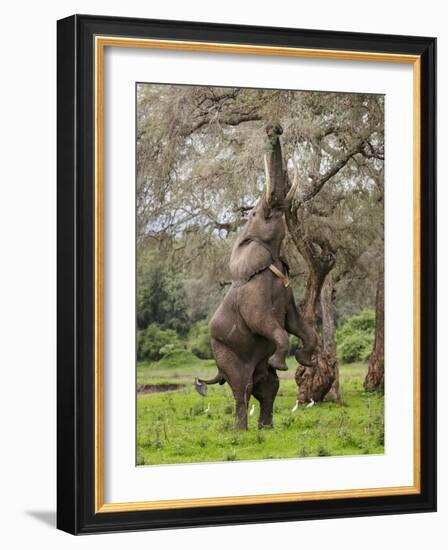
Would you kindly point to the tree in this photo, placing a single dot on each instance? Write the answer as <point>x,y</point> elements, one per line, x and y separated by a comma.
<point>162,300</point>
<point>200,170</point>
<point>329,332</point>
<point>375,375</point>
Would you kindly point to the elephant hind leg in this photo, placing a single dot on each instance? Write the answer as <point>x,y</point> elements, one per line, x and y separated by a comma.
<point>239,377</point>
<point>265,391</point>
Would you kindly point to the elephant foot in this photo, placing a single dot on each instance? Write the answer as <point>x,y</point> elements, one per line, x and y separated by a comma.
<point>276,363</point>
<point>304,358</point>
<point>262,426</point>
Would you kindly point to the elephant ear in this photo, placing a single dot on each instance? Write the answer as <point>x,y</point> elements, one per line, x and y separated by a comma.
<point>247,259</point>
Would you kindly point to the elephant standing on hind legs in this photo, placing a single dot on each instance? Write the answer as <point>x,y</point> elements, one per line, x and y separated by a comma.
<point>249,330</point>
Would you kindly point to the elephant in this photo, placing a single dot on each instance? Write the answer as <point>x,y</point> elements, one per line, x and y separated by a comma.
<point>249,330</point>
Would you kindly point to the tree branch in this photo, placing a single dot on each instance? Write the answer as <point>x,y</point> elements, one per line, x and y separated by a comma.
<point>369,151</point>
<point>229,120</point>
<point>330,173</point>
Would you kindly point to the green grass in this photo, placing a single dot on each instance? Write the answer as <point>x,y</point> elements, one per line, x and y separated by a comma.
<point>173,427</point>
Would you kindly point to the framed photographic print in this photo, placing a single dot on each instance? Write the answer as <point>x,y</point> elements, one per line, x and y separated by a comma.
<point>246,274</point>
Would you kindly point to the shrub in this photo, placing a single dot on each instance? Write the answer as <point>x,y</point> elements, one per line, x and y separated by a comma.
<point>161,298</point>
<point>153,343</point>
<point>356,347</point>
<point>178,358</point>
<point>355,338</point>
<point>199,341</point>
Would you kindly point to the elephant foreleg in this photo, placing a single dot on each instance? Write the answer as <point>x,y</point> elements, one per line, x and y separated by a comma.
<point>295,324</point>
<point>262,322</point>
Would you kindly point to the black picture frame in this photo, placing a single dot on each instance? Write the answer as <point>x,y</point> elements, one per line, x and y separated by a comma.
<point>76,271</point>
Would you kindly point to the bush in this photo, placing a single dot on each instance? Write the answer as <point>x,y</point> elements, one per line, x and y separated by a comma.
<point>161,298</point>
<point>354,340</point>
<point>178,358</point>
<point>356,347</point>
<point>199,341</point>
<point>153,343</point>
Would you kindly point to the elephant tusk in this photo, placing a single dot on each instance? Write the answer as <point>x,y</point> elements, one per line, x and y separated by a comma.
<point>295,183</point>
<point>268,180</point>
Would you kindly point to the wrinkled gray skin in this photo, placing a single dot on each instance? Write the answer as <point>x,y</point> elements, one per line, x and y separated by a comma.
<point>249,331</point>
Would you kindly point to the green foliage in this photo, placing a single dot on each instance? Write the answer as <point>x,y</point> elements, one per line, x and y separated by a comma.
<point>174,427</point>
<point>199,341</point>
<point>177,358</point>
<point>364,321</point>
<point>161,298</point>
<point>200,165</point>
<point>356,347</point>
<point>354,340</point>
<point>203,294</point>
<point>153,343</point>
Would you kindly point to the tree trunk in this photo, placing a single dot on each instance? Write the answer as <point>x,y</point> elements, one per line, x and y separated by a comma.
<point>375,375</point>
<point>314,382</point>
<point>328,332</point>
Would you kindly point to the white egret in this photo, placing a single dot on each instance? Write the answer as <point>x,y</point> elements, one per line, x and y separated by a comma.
<point>310,404</point>
<point>252,409</point>
<point>296,406</point>
<point>207,410</point>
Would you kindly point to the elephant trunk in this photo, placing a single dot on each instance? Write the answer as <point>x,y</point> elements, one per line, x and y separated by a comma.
<point>276,180</point>
<point>279,192</point>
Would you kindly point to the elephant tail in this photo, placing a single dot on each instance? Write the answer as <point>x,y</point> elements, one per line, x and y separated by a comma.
<point>201,385</point>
